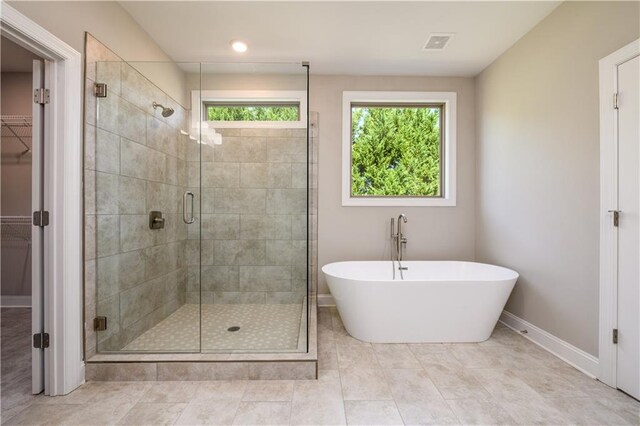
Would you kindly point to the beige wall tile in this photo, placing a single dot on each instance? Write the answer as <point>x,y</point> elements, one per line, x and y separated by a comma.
<point>220,226</point>
<point>220,175</point>
<point>241,149</point>
<point>239,252</point>
<point>107,150</point>
<point>265,278</point>
<point>135,233</point>
<point>287,150</point>
<point>286,201</point>
<point>265,227</point>
<point>239,200</point>
<point>220,278</point>
<point>107,235</point>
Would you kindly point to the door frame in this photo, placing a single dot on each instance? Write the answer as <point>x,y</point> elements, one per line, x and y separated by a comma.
<point>609,201</point>
<point>64,364</point>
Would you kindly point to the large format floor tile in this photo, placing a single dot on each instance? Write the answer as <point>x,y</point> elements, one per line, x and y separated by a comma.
<point>506,380</point>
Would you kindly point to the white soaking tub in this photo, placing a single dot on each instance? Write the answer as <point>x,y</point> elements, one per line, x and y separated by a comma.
<point>436,301</point>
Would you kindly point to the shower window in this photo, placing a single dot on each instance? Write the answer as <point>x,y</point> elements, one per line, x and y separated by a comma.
<point>251,108</point>
<point>252,111</point>
<point>398,148</point>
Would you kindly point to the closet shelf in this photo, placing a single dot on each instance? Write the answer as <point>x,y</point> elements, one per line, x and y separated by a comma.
<point>15,228</point>
<point>18,127</point>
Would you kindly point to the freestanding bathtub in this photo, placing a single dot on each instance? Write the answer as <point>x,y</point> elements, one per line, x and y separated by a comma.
<point>436,301</point>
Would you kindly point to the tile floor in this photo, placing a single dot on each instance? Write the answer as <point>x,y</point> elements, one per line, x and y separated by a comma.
<point>506,380</point>
<point>262,328</point>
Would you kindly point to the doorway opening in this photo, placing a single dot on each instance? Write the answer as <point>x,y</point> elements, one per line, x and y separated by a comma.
<point>50,217</point>
<point>22,372</point>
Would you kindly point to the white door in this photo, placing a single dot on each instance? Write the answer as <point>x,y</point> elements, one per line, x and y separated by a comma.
<point>37,232</point>
<point>628,353</point>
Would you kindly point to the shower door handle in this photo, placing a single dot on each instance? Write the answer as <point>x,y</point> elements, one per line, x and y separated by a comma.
<point>185,217</point>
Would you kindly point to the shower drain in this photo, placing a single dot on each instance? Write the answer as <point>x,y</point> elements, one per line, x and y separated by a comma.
<point>234,328</point>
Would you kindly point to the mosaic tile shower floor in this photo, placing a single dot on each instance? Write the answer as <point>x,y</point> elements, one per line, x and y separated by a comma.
<point>262,328</point>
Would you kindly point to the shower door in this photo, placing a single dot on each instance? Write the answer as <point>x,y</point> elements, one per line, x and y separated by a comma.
<point>197,207</point>
<point>254,183</point>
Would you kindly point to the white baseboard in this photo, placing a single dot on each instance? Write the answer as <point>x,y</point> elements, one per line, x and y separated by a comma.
<point>578,358</point>
<point>15,301</point>
<point>325,300</point>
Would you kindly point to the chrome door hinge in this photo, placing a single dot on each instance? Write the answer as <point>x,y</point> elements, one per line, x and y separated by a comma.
<point>41,340</point>
<point>41,96</point>
<point>100,323</point>
<point>615,336</point>
<point>615,100</point>
<point>41,218</point>
<point>100,90</point>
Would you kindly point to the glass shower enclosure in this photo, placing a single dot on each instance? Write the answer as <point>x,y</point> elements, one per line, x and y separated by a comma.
<point>198,195</point>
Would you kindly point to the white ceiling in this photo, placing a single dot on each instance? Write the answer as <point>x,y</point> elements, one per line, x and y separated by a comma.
<point>384,38</point>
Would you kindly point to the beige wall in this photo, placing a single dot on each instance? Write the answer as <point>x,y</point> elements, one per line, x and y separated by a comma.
<point>354,233</point>
<point>538,165</point>
<point>113,26</point>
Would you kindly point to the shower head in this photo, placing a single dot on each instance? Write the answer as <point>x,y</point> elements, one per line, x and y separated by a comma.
<point>166,111</point>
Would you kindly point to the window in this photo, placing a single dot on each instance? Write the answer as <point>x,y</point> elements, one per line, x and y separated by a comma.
<point>398,149</point>
<point>250,109</point>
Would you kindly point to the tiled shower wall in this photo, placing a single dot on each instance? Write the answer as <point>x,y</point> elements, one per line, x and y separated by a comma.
<point>254,218</point>
<point>254,204</point>
<point>135,162</point>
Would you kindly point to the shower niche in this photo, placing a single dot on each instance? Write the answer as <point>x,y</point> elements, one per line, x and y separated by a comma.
<point>199,211</point>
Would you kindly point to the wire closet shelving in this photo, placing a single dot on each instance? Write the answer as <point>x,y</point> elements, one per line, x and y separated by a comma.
<point>15,228</point>
<point>17,128</point>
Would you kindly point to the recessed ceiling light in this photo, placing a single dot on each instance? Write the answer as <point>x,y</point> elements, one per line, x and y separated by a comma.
<point>239,46</point>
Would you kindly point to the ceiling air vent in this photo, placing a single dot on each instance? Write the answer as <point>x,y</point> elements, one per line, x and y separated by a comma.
<point>438,41</point>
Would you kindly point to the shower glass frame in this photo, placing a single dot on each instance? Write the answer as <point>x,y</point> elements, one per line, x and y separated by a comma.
<point>128,96</point>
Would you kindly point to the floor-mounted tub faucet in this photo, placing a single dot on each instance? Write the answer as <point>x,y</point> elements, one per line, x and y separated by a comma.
<point>398,238</point>
<point>398,242</point>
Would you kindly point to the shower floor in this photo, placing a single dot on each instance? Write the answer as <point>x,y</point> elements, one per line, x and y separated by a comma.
<point>262,328</point>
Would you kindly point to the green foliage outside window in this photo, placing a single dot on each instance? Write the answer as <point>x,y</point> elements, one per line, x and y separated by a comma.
<point>252,113</point>
<point>395,151</point>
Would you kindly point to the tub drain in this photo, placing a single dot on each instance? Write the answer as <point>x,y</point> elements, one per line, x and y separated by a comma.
<point>234,328</point>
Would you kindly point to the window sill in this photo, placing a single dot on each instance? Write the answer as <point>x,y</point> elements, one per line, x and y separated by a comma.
<point>398,202</point>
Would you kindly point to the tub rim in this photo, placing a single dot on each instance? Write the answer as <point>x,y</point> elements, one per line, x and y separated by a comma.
<point>514,275</point>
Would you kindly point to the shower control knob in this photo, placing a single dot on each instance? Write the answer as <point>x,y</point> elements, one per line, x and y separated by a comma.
<point>156,221</point>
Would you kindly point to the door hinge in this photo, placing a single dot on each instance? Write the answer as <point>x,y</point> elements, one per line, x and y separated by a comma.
<point>615,336</point>
<point>100,90</point>
<point>100,323</point>
<point>616,217</point>
<point>41,218</point>
<point>41,340</point>
<point>615,100</point>
<point>41,96</point>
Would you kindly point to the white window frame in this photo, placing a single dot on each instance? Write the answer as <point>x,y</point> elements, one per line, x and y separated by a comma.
<point>200,97</point>
<point>448,99</point>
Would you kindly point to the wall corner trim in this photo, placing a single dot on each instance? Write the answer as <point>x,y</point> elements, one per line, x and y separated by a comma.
<point>575,357</point>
